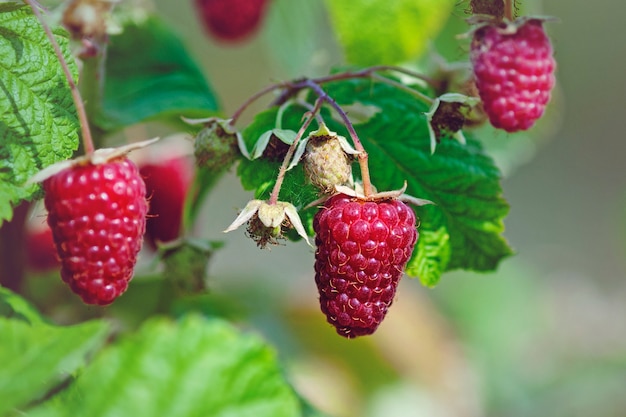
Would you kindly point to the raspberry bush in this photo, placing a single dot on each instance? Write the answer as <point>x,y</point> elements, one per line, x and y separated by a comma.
<point>377,163</point>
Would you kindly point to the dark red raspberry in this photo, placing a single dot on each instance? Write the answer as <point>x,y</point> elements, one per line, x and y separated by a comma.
<point>232,20</point>
<point>514,71</point>
<point>362,249</point>
<point>97,213</point>
<point>167,184</point>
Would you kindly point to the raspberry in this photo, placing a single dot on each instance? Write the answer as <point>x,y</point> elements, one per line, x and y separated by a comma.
<point>326,164</point>
<point>167,184</point>
<point>362,249</point>
<point>215,147</point>
<point>97,213</point>
<point>514,71</point>
<point>231,20</point>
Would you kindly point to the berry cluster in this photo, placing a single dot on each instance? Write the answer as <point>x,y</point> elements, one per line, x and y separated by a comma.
<point>98,207</point>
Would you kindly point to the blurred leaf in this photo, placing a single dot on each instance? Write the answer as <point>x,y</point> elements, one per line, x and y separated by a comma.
<point>295,44</point>
<point>38,124</point>
<point>387,31</point>
<point>149,74</point>
<point>14,306</point>
<point>194,367</point>
<point>36,356</point>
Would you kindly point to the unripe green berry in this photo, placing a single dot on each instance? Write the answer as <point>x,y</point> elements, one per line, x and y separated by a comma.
<point>326,164</point>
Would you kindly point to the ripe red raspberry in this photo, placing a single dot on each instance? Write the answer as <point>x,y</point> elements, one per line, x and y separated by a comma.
<point>97,213</point>
<point>514,71</point>
<point>362,249</point>
<point>167,184</point>
<point>231,20</point>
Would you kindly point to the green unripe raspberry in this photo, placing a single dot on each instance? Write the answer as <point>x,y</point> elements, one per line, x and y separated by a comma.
<point>216,146</point>
<point>326,163</point>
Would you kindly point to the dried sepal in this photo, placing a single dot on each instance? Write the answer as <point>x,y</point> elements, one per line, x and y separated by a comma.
<point>447,115</point>
<point>99,156</point>
<point>285,135</point>
<point>357,192</point>
<point>266,223</point>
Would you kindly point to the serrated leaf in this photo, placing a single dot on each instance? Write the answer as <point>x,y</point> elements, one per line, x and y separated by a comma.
<point>386,31</point>
<point>36,356</point>
<point>38,122</point>
<point>149,75</point>
<point>194,367</point>
<point>461,180</point>
<point>433,249</point>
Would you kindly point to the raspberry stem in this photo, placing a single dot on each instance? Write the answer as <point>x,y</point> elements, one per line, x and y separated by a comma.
<point>423,97</point>
<point>293,87</point>
<point>292,149</point>
<point>363,157</point>
<point>78,102</point>
<point>252,99</point>
<point>509,10</point>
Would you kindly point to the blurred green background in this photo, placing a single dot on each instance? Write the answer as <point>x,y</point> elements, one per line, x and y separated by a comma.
<point>546,334</point>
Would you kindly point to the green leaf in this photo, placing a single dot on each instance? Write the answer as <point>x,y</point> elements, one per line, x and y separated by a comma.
<point>14,306</point>
<point>36,357</point>
<point>38,124</point>
<point>387,31</point>
<point>431,255</point>
<point>149,75</point>
<point>194,367</point>
<point>464,228</point>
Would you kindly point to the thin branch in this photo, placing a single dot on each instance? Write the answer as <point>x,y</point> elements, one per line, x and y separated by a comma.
<point>363,157</point>
<point>252,99</point>
<point>292,149</point>
<point>509,10</point>
<point>78,102</point>
<point>422,97</point>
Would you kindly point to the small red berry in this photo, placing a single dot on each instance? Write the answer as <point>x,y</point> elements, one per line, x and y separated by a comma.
<point>232,20</point>
<point>97,213</point>
<point>514,71</point>
<point>362,249</point>
<point>167,184</point>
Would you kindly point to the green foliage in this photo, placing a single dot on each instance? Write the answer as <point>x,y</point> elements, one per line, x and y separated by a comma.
<point>149,75</point>
<point>462,230</point>
<point>193,367</point>
<point>38,124</point>
<point>462,181</point>
<point>37,356</point>
<point>386,31</point>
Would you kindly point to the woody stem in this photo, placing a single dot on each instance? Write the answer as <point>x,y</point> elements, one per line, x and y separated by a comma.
<point>362,157</point>
<point>78,102</point>
<point>509,9</point>
<point>292,149</point>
